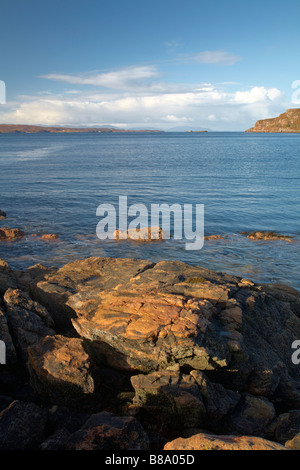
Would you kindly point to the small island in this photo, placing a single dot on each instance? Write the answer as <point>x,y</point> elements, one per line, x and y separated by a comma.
<point>288,122</point>
<point>196,131</point>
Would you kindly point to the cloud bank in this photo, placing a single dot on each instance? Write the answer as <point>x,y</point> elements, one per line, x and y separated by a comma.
<point>136,97</point>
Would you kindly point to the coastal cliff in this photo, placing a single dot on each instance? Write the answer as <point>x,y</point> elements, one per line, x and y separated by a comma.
<point>288,122</point>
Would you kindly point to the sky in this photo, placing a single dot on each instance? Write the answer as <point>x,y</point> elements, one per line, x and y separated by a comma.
<point>169,65</point>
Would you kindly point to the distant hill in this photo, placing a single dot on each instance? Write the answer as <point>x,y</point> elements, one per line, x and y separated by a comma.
<point>286,122</point>
<point>27,129</point>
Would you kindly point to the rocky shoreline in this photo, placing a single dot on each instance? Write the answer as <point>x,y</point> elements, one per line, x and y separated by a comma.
<point>126,354</point>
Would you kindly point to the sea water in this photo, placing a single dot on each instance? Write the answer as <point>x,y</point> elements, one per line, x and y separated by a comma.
<point>53,183</point>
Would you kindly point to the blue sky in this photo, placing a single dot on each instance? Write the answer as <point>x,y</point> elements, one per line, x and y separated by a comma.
<point>160,64</point>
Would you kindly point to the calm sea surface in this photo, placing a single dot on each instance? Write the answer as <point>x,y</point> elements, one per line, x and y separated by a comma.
<point>54,184</point>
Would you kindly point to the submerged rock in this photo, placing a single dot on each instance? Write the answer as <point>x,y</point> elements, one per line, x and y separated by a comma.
<point>141,234</point>
<point>215,237</point>
<point>46,236</point>
<point>264,235</point>
<point>11,233</point>
<point>2,215</point>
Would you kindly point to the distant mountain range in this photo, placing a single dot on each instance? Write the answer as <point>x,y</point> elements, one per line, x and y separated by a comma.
<point>27,129</point>
<point>288,122</point>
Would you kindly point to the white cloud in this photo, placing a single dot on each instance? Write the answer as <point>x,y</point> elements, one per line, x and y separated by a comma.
<point>212,57</point>
<point>257,94</point>
<point>118,79</point>
<point>133,98</point>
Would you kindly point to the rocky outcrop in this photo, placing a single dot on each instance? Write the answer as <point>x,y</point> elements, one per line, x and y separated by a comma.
<point>204,441</point>
<point>287,122</point>
<point>150,353</point>
<point>265,235</point>
<point>11,233</point>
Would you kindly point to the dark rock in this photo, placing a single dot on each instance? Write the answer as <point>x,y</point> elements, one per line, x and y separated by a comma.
<point>28,321</point>
<point>106,431</point>
<point>7,277</point>
<point>5,401</point>
<point>219,402</point>
<point>168,400</point>
<point>63,417</point>
<point>57,441</point>
<point>254,416</point>
<point>287,426</point>
<point>22,426</point>
<point>9,352</point>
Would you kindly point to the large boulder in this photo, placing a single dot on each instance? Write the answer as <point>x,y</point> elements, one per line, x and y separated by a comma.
<point>142,317</point>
